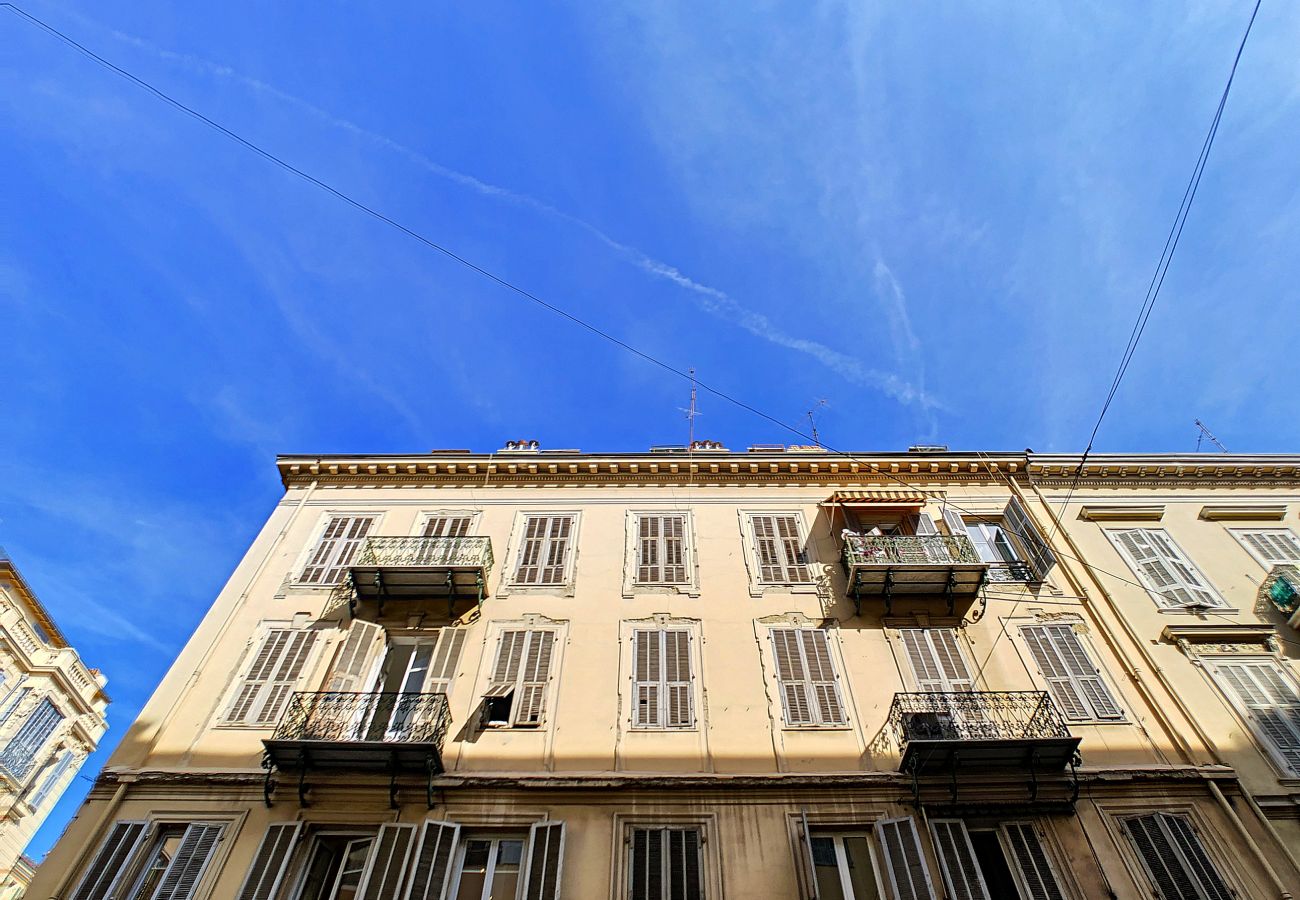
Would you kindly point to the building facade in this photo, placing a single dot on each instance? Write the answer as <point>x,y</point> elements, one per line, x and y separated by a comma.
<point>51,718</point>
<point>693,673</point>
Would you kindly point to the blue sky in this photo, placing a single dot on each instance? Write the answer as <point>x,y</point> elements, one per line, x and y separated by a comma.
<point>939,219</point>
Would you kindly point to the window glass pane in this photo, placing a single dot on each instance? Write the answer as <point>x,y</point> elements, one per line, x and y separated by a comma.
<point>993,864</point>
<point>862,876</point>
<point>158,860</point>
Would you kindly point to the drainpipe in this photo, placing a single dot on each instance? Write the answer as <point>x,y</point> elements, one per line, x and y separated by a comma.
<point>1282,892</point>
<point>90,846</point>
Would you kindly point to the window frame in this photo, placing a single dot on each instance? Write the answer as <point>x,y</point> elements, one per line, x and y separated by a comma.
<point>514,554</point>
<point>914,682</point>
<point>489,690</point>
<point>837,667</point>
<point>1147,879</point>
<point>749,540</point>
<point>131,870</point>
<point>1090,654</point>
<point>663,705</point>
<point>426,516</point>
<point>303,559</point>
<point>297,864</point>
<point>632,585</point>
<point>1154,591</point>
<point>1239,534</point>
<point>837,834</point>
<point>1285,769</point>
<point>495,836</point>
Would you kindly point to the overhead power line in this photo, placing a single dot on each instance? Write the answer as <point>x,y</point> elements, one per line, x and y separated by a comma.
<point>559,311</point>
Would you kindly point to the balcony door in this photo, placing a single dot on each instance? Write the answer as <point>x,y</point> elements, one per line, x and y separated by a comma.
<point>413,668</point>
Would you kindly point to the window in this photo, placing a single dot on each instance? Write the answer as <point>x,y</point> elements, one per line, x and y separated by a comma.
<point>1074,682</point>
<point>545,551</point>
<point>810,694</point>
<point>994,862</point>
<point>413,667</point>
<point>51,778</point>
<point>517,693</point>
<point>1174,859</point>
<point>1011,542</point>
<point>1271,546</point>
<point>778,549</point>
<point>665,864</point>
<point>937,661</point>
<point>1163,568</point>
<point>16,696</point>
<point>662,554</point>
<point>162,861</point>
<point>20,754</point>
<point>489,868</point>
<point>1264,693</point>
<point>272,675</point>
<point>662,686</point>
<point>843,866</point>
<point>337,547</point>
<point>448,526</point>
<point>993,545</point>
<point>335,867</point>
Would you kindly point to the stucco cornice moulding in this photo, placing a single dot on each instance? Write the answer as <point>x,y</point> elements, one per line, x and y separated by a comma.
<point>1244,513</point>
<point>1122,513</point>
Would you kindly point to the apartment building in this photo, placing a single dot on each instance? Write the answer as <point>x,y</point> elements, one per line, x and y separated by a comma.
<point>51,718</point>
<point>696,673</point>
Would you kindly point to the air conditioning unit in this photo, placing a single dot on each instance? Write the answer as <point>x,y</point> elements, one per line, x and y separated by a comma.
<point>928,726</point>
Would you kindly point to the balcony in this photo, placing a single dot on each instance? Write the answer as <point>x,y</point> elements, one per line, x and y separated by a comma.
<point>422,568</point>
<point>929,564</point>
<point>387,733</point>
<point>1281,590</point>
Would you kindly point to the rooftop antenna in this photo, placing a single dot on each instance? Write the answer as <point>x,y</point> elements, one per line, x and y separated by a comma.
<point>812,422</point>
<point>692,412</point>
<point>1206,433</point>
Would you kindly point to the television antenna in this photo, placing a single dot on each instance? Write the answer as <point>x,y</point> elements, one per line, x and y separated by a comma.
<point>692,412</point>
<point>1207,434</point>
<point>812,421</point>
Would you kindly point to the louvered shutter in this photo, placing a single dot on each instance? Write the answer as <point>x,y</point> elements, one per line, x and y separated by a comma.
<point>957,859</point>
<point>1040,556</point>
<point>674,550</point>
<point>1267,700</point>
<point>956,524</point>
<point>433,857</point>
<point>529,570</point>
<point>1073,681</point>
<point>505,672</point>
<point>792,675</point>
<point>1193,855</point>
<point>271,677</point>
<point>821,676</point>
<point>336,549</point>
<point>1174,859</point>
<point>534,675</point>
<point>937,660</point>
<point>765,548</point>
<point>923,525</point>
<point>1272,546</point>
<point>110,862</point>
<point>52,780</point>
<point>363,645</point>
<point>678,689</point>
<point>904,862</point>
<point>1030,862</point>
<point>270,861</point>
<point>446,657</point>
<point>647,668</point>
<point>796,562</point>
<point>386,867</point>
<point>448,526</point>
<point>1158,561</point>
<point>544,551</point>
<point>545,861</point>
<point>557,551</point>
<point>661,549</point>
<point>195,851</point>
<point>664,864</point>
<point>809,859</point>
<point>649,561</point>
<point>684,875</point>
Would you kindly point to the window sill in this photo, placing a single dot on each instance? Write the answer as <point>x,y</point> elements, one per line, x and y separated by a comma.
<point>845,727</point>
<point>684,590</point>
<point>641,729</point>
<point>1206,611</point>
<point>1090,722</point>
<point>554,590</point>
<point>798,587</point>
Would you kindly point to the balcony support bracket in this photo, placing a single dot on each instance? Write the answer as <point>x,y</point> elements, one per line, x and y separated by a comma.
<point>952,785</point>
<point>1033,776</point>
<point>481,585</point>
<point>947,591</point>
<point>392,782</point>
<point>268,785</point>
<point>889,591</point>
<point>304,763</point>
<point>1075,761</point>
<point>428,783</point>
<point>451,594</point>
<point>916,783</point>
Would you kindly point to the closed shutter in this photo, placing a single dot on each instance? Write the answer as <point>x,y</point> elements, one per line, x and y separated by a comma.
<point>270,862</point>
<point>271,677</point>
<point>1174,859</point>
<point>1040,557</point>
<point>432,866</point>
<point>679,692</point>
<point>1271,546</point>
<point>20,754</point>
<point>1030,862</point>
<point>937,661</point>
<point>792,676</point>
<point>446,657</point>
<point>362,646</point>
<point>545,861</point>
<point>781,559</point>
<point>1158,562</point>
<point>661,549</point>
<point>118,848</point>
<point>534,676</point>
<point>386,868</point>
<point>195,851</point>
<point>448,526</point>
<point>957,858</point>
<point>909,878</point>
<point>664,864</point>
<point>815,644</point>
<point>647,668</point>
<point>1073,681</point>
<point>336,549</point>
<point>544,551</point>
<point>1267,698</point>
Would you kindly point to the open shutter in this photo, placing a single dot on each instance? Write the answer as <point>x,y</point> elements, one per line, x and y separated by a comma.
<point>1272,546</point>
<point>446,657</point>
<point>957,859</point>
<point>270,862</point>
<point>362,646</point>
<point>195,851</point>
<point>116,850</point>
<point>433,859</point>
<point>1040,556</point>
<point>1268,702</point>
<point>535,674</point>
<point>53,779</point>
<point>1159,562</point>
<point>386,867</point>
<point>821,676</point>
<point>956,524</point>
<point>792,676</point>
<point>647,667</point>
<point>679,701</point>
<point>1072,679</point>
<point>805,838</point>
<point>505,672</point>
<point>904,862</point>
<point>545,861</point>
<point>1029,861</point>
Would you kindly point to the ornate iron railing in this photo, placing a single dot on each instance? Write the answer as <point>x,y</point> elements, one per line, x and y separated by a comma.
<point>918,549</point>
<point>471,552</point>
<point>345,717</point>
<point>975,716</point>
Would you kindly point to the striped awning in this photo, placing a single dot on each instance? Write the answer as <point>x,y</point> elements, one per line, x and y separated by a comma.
<point>877,497</point>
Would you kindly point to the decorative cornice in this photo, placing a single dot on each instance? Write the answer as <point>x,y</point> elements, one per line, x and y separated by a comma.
<point>1198,640</point>
<point>1243,512</point>
<point>1121,513</point>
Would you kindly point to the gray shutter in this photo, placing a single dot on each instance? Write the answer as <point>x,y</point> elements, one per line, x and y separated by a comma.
<point>904,862</point>
<point>1041,559</point>
<point>796,561</point>
<point>1268,702</point>
<point>1195,858</point>
<point>937,660</point>
<point>433,859</point>
<point>1174,858</point>
<point>674,550</point>
<point>338,545</point>
<point>678,685</point>
<point>116,850</point>
<point>386,867</point>
<point>1072,679</point>
<point>447,526</point>
<point>821,676</point>
<point>956,524</point>
<point>769,560</point>
<point>446,657</point>
<point>364,642</point>
<point>195,851</point>
<point>528,570</point>
<point>805,837</point>
<point>545,861</point>
<point>1030,862</point>
<point>685,879</point>
<point>647,677</point>
<point>649,559</point>
<point>557,550</point>
<point>792,676</point>
<point>270,861</point>
<point>957,859</point>
<point>534,676</point>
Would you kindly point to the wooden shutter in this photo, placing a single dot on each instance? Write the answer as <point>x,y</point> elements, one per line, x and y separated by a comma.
<point>557,550</point>
<point>679,693</point>
<point>528,571</point>
<point>664,864</point>
<point>544,551</point>
<point>649,555</point>
<point>1029,861</point>
<point>957,859</point>
<point>1269,702</point>
<point>433,857</point>
<point>52,779</point>
<point>270,861</point>
<point>386,867</point>
<point>821,676</point>
<point>1174,859</point>
<point>1073,681</point>
<point>1271,546</point>
<point>534,675</point>
<point>363,645</point>
<point>447,526</point>
<point>809,690</point>
<point>338,545</point>
<point>545,861</point>
<point>446,657</point>
<point>956,524</point>
<point>904,862</point>
<point>1040,556</point>
<point>647,674</point>
<point>796,563</point>
<point>937,661</point>
<point>1158,562</point>
<point>809,860</point>
<point>195,851</point>
<point>684,875</point>
<point>765,548</point>
<point>117,849</point>
<point>792,675</point>
<point>661,549</point>
<point>272,675</point>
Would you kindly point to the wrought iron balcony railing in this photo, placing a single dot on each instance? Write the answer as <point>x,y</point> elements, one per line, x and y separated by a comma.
<point>975,716</point>
<point>901,550</point>
<point>426,552</point>
<point>344,717</point>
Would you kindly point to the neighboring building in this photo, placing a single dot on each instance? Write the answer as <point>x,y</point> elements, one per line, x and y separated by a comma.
<point>692,673</point>
<point>51,718</point>
<point>14,885</point>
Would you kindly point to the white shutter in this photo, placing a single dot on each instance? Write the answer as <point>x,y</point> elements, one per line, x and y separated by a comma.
<point>909,879</point>
<point>335,550</point>
<point>195,851</point>
<point>432,866</point>
<point>52,780</point>
<point>386,868</point>
<point>806,675</point>
<point>1074,682</point>
<point>1030,862</point>
<point>957,859</point>
<point>956,524</point>
<point>777,547</point>
<point>805,837</point>
<point>661,549</point>
<point>363,645</point>
<point>923,525</point>
<point>534,676</point>
<point>1174,859</point>
<point>1271,546</point>
<point>271,677</point>
<point>937,661</point>
<point>647,677</point>
<point>541,878</point>
<point>821,676</point>
<point>1162,567</point>
<point>270,861</point>
<point>1040,556</point>
<point>446,657</point>
<point>1266,697</point>
<point>111,859</point>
